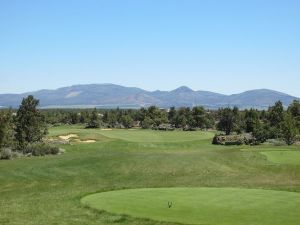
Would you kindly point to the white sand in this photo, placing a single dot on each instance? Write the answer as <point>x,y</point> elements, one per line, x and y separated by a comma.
<point>68,137</point>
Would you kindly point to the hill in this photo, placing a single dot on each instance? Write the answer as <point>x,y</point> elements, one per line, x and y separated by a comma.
<point>111,95</point>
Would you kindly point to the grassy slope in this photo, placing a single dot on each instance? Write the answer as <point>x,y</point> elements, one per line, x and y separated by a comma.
<point>283,157</point>
<point>48,190</point>
<point>220,206</point>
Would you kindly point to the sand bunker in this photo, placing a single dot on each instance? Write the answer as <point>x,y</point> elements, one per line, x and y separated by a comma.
<point>74,137</point>
<point>88,141</point>
<point>106,129</point>
<point>68,137</point>
<point>85,141</point>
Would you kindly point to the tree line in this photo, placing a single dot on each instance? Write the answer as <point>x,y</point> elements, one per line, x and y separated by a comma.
<point>147,118</point>
<point>274,123</point>
<point>22,129</point>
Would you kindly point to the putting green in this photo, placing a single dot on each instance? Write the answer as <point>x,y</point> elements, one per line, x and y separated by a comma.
<point>283,157</point>
<point>214,206</point>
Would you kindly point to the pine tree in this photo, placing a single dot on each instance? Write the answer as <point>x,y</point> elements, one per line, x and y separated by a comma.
<point>6,129</point>
<point>30,123</point>
<point>229,120</point>
<point>127,121</point>
<point>94,120</point>
<point>294,109</point>
<point>275,118</point>
<point>251,120</point>
<point>289,129</point>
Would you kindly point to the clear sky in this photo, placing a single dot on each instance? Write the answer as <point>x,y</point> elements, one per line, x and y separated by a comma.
<point>224,46</point>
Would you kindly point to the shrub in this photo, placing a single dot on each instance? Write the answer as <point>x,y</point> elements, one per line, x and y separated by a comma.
<point>163,127</point>
<point>41,149</point>
<point>5,153</point>
<point>233,139</point>
<point>215,140</point>
<point>276,142</point>
<point>188,128</point>
<point>237,142</point>
<point>261,134</point>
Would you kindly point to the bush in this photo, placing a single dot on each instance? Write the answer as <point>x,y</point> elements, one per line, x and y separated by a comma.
<point>233,139</point>
<point>5,153</point>
<point>276,142</point>
<point>227,140</point>
<point>163,127</point>
<point>238,142</point>
<point>260,134</point>
<point>40,149</point>
<point>190,128</point>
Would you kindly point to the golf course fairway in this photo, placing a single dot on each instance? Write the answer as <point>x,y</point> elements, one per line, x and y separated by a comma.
<point>283,157</point>
<point>212,206</point>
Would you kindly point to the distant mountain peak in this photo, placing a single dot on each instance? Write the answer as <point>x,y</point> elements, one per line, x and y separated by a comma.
<point>111,95</point>
<point>265,90</point>
<point>183,89</point>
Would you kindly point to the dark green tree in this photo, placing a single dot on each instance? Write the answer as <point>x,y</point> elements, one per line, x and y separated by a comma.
<point>6,129</point>
<point>294,110</point>
<point>30,123</point>
<point>260,133</point>
<point>289,129</point>
<point>147,123</point>
<point>94,120</point>
<point>127,121</point>
<point>183,117</point>
<point>228,120</point>
<point>251,120</point>
<point>209,120</point>
<point>159,116</point>
<point>190,122</point>
<point>74,117</point>
<point>141,114</point>
<point>200,118</point>
<point>83,117</point>
<point>183,121</point>
<point>275,118</point>
<point>172,115</point>
<point>176,122</point>
<point>110,118</point>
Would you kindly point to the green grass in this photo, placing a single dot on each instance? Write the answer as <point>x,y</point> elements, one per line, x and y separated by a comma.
<point>283,157</point>
<point>220,206</point>
<point>137,135</point>
<point>47,190</point>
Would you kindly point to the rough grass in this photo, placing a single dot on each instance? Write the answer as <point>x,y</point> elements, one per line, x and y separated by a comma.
<point>47,190</point>
<point>283,157</point>
<point>220,206</point>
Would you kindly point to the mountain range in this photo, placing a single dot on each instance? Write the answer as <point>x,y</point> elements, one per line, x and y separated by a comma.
<point>111,96</point>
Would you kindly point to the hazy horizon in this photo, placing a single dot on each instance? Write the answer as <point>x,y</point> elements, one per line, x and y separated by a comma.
<point>221,46</point>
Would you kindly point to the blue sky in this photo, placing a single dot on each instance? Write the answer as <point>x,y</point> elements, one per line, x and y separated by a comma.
<point>222,46</point>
